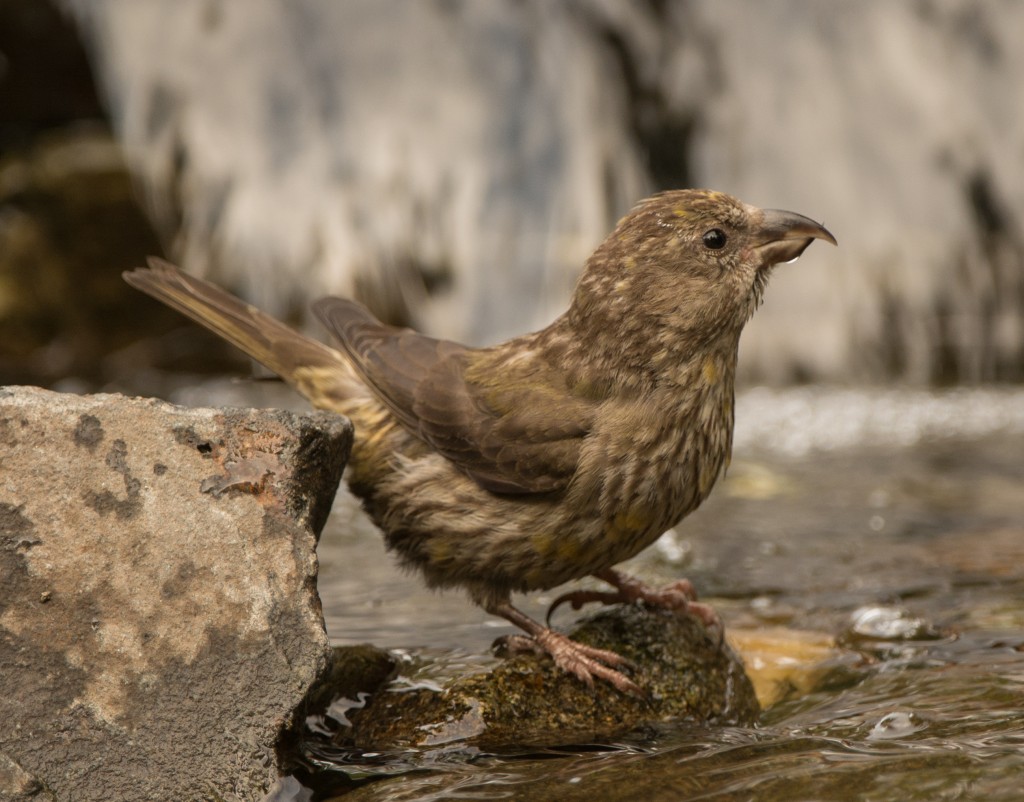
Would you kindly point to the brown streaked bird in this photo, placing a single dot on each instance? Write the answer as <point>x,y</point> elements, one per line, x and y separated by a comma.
<point>557,454</point>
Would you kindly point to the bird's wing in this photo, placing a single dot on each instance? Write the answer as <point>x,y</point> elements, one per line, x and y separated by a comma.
<point>515,431</point>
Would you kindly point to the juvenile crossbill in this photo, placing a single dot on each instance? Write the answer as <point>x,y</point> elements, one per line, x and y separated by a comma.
<point>557,454</point>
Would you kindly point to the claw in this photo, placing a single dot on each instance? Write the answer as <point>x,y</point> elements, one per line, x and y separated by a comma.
<point>582,661</point>
<point>578,598</point>
<point>680,597</point>
<point>587,662</point>
<point>509,645</point>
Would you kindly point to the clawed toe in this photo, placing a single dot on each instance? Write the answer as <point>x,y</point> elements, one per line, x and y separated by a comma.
<point>680,597</point>
<point>684,587</point>
<point>509,645</point>
<point>706,613</point>
<point>587,662</point>
<point>577,598</point>
<point>582,661</point>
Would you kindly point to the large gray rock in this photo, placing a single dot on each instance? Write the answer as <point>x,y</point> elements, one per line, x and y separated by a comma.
<point>159,620</point>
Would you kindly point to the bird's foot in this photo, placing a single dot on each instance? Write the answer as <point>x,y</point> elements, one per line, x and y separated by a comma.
<point>680,597</point>
<point>582,661</point>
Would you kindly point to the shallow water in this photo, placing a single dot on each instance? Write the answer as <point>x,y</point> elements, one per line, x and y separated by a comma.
<point>897,527</point>
<point>892,522</point>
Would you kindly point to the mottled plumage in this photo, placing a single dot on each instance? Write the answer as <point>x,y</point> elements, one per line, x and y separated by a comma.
<point>556,454</point>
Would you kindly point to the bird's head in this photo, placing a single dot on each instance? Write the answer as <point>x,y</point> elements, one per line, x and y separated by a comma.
<point>693,261</point>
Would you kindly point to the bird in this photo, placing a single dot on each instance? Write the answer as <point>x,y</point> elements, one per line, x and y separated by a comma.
<point>557,454</point>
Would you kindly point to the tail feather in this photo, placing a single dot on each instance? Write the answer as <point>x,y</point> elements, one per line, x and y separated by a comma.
<point>291,355</point>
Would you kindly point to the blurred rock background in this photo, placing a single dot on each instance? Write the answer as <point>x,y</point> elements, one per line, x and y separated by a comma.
<point>453,163</point>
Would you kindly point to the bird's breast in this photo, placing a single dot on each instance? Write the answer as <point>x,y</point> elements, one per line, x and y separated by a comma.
<point>655,462</point>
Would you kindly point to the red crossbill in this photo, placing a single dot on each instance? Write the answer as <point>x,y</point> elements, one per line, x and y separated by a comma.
<point>557,454</point>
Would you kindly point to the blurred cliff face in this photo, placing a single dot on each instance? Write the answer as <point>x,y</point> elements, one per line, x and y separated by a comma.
<point>453,163</point>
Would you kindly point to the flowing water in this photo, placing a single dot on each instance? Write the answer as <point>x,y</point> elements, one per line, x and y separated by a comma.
<point>867,548</point>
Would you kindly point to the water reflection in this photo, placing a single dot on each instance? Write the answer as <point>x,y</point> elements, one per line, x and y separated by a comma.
<point>948,728</point>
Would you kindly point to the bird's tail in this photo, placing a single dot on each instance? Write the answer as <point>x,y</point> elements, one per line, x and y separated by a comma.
<point>319,372</point>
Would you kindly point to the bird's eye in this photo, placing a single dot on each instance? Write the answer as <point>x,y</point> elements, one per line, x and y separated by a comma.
<point>714,239</point>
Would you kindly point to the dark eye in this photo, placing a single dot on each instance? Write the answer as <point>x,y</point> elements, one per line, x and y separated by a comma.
<point>714,239</point>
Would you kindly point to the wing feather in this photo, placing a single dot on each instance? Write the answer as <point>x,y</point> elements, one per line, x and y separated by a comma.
<point>511,425</point>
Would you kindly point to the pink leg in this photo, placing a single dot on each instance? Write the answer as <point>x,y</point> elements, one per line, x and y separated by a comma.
<point>679,597</point>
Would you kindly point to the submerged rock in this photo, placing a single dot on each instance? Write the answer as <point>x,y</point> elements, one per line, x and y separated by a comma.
<point>159,620</point>
<point>526,700</point>
<point>785,663</point>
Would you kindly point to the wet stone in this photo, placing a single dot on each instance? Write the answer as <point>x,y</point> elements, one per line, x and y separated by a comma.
<point>686,672</point>
<point>355,671</point>
<point>785,663</point>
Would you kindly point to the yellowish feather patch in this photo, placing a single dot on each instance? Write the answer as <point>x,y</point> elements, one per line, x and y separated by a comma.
<point>707,479</point>
<point>543,543</point>
<point>568,549</point>
<point>440,550</point>
<point>632,520</point>
<point>710,370</point>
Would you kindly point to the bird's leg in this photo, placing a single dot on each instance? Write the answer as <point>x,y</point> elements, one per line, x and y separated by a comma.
<point>585,662</point>
<point>679,597</point>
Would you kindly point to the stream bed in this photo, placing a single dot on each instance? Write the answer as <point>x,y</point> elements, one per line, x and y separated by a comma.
<point>866,549</point>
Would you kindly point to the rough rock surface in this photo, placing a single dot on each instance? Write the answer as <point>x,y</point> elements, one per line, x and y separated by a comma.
<point>526,700</point>
<point>159,620</point>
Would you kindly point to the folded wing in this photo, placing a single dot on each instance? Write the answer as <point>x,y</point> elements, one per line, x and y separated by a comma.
<point>511,425</point>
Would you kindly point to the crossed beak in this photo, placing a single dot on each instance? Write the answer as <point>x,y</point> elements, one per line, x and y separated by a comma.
<point>783,236</point>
